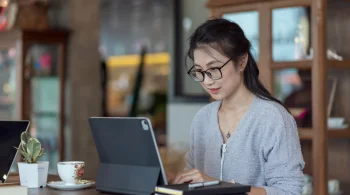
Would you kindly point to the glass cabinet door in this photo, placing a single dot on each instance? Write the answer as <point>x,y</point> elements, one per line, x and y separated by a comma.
<point>10,86</point>
<point>249,22</point>
<point>293,88</point>
<point>9,107</point>
<point>44,99</point>
<point>291,34</point>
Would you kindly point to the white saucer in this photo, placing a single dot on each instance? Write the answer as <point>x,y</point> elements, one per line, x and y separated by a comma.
<point>343,126</point>
<point>62,186</point>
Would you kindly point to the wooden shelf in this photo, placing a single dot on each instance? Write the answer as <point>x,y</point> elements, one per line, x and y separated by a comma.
<point>305,133</point>
<point>307,64</point>
<point>336,64</point>
<point>304,64</point>
<point>339,133</point>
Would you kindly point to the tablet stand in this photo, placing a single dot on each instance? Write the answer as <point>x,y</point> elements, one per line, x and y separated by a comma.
<point>127,179</point>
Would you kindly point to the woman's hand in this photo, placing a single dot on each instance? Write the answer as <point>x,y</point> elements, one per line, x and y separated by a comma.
<point>170,177</point>
<point>191,176</point>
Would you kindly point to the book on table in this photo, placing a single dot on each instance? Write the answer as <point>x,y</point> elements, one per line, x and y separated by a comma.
<point>220,189</point>
<point>13,189</point>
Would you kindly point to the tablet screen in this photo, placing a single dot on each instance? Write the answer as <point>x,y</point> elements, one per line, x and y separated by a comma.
<point>10,137</point>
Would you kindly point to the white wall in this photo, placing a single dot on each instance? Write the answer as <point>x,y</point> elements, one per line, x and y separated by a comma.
<point>179,119</point>
<point>180,114</point>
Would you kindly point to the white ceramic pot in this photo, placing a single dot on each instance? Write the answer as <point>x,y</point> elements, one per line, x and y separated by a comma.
<point>33,175</point>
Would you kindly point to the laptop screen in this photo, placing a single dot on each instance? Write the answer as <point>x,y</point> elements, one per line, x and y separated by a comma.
<point>10,137</point>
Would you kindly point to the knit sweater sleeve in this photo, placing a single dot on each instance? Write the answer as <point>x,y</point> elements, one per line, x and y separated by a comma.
<point>283,159</point>
<point>189,158</point>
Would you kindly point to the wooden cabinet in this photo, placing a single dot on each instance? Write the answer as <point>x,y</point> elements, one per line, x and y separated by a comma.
<point>33,85</point>
<point>301,50</point>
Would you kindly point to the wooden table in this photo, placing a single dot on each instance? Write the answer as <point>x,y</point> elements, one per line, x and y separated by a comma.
<point>50,191</point>
<point>14,178</point>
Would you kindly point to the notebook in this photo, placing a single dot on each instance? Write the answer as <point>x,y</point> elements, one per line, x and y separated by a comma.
<point>222,188</point>
<point>13,189</point>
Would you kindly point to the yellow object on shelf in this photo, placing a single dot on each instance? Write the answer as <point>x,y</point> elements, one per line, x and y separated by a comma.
<point>134,60</point>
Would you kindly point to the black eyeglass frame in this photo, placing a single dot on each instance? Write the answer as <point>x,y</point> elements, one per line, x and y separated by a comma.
<point>208,74</point>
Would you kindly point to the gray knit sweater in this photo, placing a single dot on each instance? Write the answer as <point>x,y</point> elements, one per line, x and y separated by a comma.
<point>264,151</point>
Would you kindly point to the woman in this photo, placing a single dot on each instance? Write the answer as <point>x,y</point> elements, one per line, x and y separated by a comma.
<point>246,135</point>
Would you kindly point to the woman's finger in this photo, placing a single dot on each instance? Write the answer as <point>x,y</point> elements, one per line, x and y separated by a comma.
<point>189,178</point>
<point>184,174</point>
<point>190,172</point>
<point>198,178</point>
<point>177,178</point>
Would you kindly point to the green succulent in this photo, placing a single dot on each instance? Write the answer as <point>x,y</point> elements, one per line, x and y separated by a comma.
<point>30,148</point>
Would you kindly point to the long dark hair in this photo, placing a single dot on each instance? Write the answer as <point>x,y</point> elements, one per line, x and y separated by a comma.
<point>228,38</point>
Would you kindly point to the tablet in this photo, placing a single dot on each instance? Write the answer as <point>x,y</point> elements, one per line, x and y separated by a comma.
<point>129,158</point>
<point>10,137</point>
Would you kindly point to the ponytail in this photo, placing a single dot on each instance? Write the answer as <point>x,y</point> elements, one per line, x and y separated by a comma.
<point>253,84</point>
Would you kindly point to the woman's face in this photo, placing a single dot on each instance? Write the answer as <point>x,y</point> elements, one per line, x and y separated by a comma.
<point>231,80</point>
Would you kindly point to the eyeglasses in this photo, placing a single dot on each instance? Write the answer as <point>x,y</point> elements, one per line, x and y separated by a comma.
<point>213,73</point>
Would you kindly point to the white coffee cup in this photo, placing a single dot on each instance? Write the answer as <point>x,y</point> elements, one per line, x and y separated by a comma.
<point>71,172</point>
<point>333,186</point>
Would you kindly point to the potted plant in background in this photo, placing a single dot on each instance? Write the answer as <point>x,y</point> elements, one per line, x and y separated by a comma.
<point>32,173</point>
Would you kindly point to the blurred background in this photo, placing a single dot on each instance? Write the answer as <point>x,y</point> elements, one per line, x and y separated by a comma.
<point>62,62</point>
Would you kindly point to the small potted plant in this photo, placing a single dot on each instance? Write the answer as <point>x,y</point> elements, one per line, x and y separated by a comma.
<point>32,173</point>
